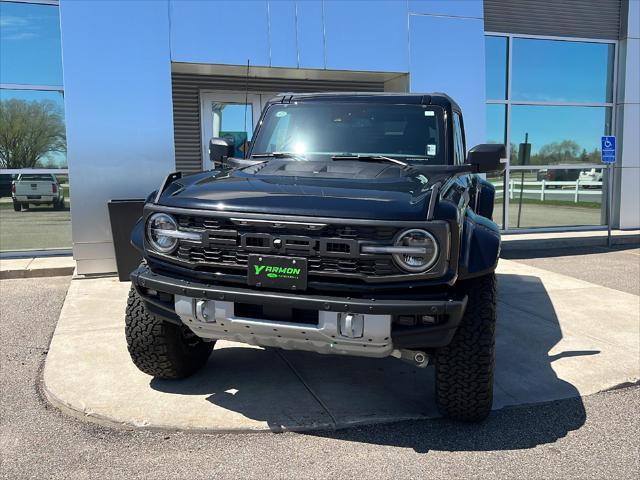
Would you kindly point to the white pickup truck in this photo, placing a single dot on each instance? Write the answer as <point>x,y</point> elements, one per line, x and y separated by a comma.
<point>36,189</point>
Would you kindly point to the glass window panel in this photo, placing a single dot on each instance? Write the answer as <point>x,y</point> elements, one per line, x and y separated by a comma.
<point>37,215</point>
<point>557,197</point>
<point>559,135</point>
<point>561,71</point>
<point>32,114</point>
<point>229,121</point>
<point>30,44</point>
<point>496,67</point>
<point>496,123</point>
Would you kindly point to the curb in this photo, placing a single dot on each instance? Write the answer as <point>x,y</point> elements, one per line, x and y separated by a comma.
<point>511,243</point>
<point>36,272</point>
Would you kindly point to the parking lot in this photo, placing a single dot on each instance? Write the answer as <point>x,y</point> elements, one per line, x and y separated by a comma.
<point>38,228</point>
<point>587,437</point>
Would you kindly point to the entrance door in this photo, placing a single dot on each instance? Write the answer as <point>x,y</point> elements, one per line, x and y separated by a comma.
<point>225,114</point>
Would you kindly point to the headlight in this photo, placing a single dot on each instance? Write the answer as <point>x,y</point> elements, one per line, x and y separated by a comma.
<point>161,232</point>
<point>416,250</point>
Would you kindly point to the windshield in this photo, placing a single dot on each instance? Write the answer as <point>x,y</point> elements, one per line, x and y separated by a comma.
<point>318,129</point>
<point>36,177</point>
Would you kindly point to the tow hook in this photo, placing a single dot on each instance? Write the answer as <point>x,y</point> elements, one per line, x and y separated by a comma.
<point>414,357</point>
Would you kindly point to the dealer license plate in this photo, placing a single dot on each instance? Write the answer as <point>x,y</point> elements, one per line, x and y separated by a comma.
<point>286,273</point>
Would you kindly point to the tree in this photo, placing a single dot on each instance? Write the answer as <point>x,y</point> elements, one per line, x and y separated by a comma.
<point>29,131</point>
<point>566,151</point>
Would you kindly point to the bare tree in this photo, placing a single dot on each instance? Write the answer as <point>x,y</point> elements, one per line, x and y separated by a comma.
<point>29,131</point>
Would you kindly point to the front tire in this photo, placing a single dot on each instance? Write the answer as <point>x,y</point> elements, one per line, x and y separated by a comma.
<point>162,349</point>
<point>465,367</point>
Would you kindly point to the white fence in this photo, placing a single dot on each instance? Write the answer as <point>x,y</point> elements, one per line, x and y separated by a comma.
<point>546,188</point>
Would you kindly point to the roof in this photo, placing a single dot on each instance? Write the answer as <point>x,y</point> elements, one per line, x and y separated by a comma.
<point>435,98</point>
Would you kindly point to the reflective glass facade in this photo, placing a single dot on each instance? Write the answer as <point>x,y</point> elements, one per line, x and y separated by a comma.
<point>555,95</point>
<point>30,44</point>
<point>32,130</point>
<point>550,101</point>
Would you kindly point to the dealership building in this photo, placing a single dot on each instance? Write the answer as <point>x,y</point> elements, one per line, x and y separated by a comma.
<point>143,86</point>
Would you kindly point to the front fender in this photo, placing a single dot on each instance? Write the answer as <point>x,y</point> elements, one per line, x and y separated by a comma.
<point>480,246</point>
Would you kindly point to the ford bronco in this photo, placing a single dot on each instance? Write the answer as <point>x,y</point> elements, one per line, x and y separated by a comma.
<point>356,224</point>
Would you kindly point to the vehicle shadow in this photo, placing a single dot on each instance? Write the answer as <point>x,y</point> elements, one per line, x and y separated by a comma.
<point>265,385</point>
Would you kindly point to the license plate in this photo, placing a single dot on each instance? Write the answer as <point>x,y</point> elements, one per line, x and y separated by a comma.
<point>285,273</point>
<point>34,197</point>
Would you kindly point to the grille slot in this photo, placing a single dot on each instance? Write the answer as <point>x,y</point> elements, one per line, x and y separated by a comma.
<point>332,250</point>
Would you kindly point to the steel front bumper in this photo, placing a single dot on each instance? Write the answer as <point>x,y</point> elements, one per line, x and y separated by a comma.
<point>351,326</point>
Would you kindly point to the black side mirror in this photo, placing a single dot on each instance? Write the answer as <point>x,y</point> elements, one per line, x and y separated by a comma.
<point>219,149</point>
<point>488,158</point>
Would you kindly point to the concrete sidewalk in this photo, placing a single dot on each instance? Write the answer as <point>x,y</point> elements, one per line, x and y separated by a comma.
<point>28,267</point>
<point>558,337</point>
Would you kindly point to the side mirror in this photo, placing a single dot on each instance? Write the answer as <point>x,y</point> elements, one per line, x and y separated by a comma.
<point>219,149</point>
<point>488,158</point>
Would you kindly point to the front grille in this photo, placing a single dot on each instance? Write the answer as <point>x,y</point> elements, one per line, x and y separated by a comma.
<point>329,250</point>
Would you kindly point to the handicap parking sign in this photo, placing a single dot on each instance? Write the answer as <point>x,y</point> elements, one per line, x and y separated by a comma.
<point>608,149</point>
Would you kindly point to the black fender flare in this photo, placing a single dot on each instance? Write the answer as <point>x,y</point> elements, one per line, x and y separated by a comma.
<point>479,247</point>
<point>137,235</point>
<point>485,199</point>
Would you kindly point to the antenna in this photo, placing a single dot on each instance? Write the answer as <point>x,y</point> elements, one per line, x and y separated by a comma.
<point>246,103</point>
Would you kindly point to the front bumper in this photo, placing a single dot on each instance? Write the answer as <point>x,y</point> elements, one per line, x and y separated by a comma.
<point>185,301</point>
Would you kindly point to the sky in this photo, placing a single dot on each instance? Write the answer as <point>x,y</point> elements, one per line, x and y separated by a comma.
<point>30,49</point>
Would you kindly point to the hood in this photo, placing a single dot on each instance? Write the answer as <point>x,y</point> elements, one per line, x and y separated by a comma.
<point>346,189</point>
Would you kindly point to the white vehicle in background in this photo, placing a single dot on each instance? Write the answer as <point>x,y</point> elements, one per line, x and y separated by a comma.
<point>591,175</point>
<point>36,189</point>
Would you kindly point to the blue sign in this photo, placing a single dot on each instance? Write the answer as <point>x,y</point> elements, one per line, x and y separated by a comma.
<point>609,149</point>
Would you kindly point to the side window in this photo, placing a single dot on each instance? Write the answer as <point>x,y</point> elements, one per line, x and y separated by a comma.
<point>458,143</point>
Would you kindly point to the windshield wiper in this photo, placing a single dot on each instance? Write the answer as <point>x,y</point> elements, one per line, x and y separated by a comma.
<point>278,155</point>
<point>374,158</point>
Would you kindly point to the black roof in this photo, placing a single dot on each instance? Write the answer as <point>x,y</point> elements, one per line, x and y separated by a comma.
<point>435,98</point>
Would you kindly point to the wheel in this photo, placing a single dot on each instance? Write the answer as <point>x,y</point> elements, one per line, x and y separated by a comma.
<point>58,204</point>
<point>17,206</point>
<point>25,206</point>
<point>162,349</point>
<point>464,368</point>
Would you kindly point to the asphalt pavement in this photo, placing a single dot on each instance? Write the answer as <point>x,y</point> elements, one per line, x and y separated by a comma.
<point>592,437</point>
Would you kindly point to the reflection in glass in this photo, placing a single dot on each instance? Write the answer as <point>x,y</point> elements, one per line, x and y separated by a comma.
<point>229,122</point>
<point>496,123</point>
<point>561,71</point>
<point>30,44</point>
<point>556,197</point>
<point>32,129</point>
<point>31,226</point>
<point>496,67</point>
<point>559,135</point>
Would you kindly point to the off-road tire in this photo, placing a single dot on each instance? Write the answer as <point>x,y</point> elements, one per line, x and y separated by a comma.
<point>159,348</point>
<point>17,206</point>
<point>464,368</point>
